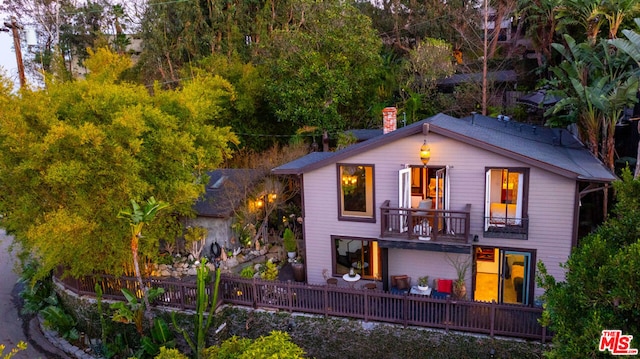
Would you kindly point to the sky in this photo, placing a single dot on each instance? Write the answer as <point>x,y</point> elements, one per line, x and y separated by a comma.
<point>7,56</point>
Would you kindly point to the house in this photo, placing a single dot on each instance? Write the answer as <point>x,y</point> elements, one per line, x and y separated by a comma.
<point>226,191</point>
<point>496,194</point>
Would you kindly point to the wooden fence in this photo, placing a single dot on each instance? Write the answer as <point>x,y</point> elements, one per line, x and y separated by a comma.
<point>369,305</point>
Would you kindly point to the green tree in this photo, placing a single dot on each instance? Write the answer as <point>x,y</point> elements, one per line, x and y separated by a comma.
<point>631,46</point>
<point>74,154</point>
<point>595,85</point>
<point>322,69</point>
<point>602,283</point>
<point>428,62</point>
<point>539,20</point>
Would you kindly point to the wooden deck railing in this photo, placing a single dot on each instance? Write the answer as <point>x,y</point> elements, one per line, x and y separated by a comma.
<point>467,316</point>
<point>418,223</point>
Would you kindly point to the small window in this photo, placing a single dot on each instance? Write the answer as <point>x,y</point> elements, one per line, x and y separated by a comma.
<point>362,255</point>
<point>506,202</point>
<point>355,195</point>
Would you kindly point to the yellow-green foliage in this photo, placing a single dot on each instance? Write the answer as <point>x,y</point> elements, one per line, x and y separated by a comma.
<point>72,156</point>
<point>166,353</point>
<point>270,272</point>
<point>194,234</point>
<point>275,345</point>
<point>21,346</point>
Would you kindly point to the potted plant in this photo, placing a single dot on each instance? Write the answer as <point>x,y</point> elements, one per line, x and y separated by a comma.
<point>423,283</point>
<point>290,245</point>
<point>459,285</point>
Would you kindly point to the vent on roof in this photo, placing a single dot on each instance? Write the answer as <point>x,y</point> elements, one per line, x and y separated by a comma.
<point>219,182</point>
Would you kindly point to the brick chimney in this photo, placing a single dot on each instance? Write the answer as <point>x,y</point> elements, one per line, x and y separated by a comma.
<point>389,119</point>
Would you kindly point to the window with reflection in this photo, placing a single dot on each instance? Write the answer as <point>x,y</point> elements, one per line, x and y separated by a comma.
<point>356,192</point>
<point>506,200</point>
<point>363,255</point>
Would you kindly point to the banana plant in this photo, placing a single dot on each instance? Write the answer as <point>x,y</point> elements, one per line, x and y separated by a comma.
<point>161,336</point>
<point>133,310</point>
<point>137,218</point>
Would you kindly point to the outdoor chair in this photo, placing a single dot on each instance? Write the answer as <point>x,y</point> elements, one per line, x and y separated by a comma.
<point>442,288</point>
<point>370,286</point>
<point>400,284</point>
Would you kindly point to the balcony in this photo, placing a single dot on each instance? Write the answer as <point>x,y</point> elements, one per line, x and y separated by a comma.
<point>427,226</point>
<point>506,227</point>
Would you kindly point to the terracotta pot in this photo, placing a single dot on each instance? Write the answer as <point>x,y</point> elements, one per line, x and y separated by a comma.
<point>459,290</point>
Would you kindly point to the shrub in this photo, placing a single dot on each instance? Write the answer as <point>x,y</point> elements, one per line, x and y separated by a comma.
<point>275,345</point>
<point>170,354</point>
<point>247,272</point>
<point>56,319</point>
<point>20,346</point>
<point>270,272</point>
<point>289,240</point>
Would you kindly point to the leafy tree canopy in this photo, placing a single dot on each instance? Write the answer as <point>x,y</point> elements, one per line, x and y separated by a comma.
<point>73,155</point>
<point>322,65</point>
<point>602,283</point>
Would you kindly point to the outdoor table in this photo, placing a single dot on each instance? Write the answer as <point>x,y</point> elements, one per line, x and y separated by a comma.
<point>416,290</point>
<point>351,280</point>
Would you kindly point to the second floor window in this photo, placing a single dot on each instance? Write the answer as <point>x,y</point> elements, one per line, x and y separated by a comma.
<point>506,200</point>
<point>356,192</point>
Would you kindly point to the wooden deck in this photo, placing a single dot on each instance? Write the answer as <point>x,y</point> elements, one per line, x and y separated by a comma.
<point>368,305</point>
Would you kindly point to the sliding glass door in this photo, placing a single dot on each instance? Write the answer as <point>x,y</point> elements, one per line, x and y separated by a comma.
<point>514,288</point>
<point>503,275</point>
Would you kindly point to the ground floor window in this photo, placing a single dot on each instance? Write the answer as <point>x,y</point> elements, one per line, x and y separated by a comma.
<point>362,254</point>
<point>503,275</point>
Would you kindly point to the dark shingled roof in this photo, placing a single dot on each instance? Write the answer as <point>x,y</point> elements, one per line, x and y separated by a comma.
<point>365,134</point>
<point>555,150</point>
<point>496,76</point>
<point>221,194</point>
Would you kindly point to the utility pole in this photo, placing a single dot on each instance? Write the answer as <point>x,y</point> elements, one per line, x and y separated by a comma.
<point>13,25</point>
<point>484,58</point>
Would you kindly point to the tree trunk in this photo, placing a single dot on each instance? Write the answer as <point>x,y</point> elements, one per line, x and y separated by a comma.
<point>136,268</point>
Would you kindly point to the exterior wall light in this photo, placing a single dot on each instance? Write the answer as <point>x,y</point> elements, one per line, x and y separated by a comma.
<point>425,153</point>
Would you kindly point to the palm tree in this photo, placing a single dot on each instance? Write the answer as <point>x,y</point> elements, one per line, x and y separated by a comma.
<point>137,218</point>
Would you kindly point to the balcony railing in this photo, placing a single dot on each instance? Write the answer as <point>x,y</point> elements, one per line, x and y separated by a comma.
<point>425,224</point>
<point>501,227</point>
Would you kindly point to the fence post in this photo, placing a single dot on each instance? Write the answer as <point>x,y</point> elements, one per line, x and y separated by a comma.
<point>326,300</point>
<point>492,317</point>
<point>289,297</point>
<point>447,316</point>
<point>255,293</point>
<point>366,306</point>
<point>183,294</point>
<point>405,310</point>
<point>77,280</point>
